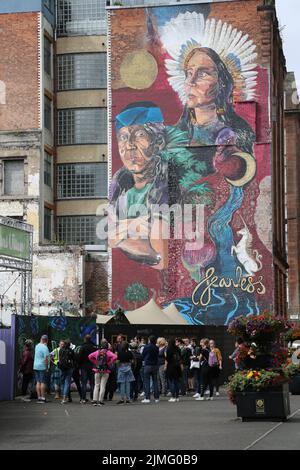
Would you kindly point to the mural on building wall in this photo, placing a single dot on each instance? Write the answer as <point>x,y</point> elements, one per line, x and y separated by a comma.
<point>57,328</point>
<point>190,128</point>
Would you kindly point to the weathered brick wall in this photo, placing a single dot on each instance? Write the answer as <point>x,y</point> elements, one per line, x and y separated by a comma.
<point>19,71</point>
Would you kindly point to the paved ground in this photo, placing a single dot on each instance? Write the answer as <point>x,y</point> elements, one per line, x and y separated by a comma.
<point>187,425</point>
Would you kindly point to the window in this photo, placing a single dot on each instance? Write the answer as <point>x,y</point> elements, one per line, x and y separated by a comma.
<point>79,230</point>
<point>81,71</point>
<point>13,177</point>
<point>47,56</point>
<point>82,180</point>
<point>47,169</point>
<point>2,92</point>
<point>81,17</point>
<point>48,113</point>
<point>47,223</point>
<point>82,126</point>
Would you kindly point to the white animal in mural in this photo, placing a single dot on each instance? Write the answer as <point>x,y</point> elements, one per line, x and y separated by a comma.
<point>245,254</point>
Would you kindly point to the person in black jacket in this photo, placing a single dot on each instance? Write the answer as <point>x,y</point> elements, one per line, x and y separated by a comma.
<point>150,359</point>
<point>185,361</point>
<point>66,365</point>
<point>173,369</point>
<point>204,368</point>
<point>86,367</point>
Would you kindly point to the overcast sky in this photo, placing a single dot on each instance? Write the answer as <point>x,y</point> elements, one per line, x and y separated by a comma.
<point>288,12</point>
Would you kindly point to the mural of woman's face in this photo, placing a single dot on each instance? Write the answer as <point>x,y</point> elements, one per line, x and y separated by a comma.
<point>201,83</point>
<point>134,147</point>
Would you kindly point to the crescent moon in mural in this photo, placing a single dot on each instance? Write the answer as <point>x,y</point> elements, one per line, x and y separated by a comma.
<point>250,170</point>
<point>138,70</point>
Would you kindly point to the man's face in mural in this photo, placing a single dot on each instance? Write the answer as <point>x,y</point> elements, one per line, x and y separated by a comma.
<point>201,83</point>
<point>135,147</point>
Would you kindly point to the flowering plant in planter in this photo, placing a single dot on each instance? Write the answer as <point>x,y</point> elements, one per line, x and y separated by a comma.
<point>261,328</point>
<point>291,369</point>
<point>293,334</point>
<point>258,380</point>
<point>263,360</point>
<point>238,326</point>
<point>253,380</point>
<point>278,356</point>
<point>265,328</point>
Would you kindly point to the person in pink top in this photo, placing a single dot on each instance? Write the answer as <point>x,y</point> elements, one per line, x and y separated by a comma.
<point>103,360</point>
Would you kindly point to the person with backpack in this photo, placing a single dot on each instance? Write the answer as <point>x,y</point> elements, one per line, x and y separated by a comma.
<point>173,367</point>
<point>66,365</point>
<point>136,369</point>
<point>76,375</point>
<point>103,360</point>
<point>86,367</point>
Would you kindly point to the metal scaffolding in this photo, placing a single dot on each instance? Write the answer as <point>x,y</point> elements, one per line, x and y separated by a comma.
<point>18,263</point>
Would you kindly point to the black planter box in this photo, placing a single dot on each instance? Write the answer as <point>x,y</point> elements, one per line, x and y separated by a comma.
<point>265,405</point>
<point>295,385</point>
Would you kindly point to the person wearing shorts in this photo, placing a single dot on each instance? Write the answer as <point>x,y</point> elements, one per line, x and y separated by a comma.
<point>40,367</point>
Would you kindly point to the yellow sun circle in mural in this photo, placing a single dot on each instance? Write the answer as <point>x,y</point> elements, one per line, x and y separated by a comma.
<point>138,70</point>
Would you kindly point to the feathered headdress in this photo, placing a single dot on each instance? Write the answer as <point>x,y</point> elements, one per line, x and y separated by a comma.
<point>190,31</point>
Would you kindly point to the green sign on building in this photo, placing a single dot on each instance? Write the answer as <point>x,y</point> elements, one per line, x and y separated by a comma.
<point>14,242</point>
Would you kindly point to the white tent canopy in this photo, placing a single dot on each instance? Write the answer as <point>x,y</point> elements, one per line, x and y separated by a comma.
<point>151,314</point>
<point>103,319</point>
<point>172,313</point>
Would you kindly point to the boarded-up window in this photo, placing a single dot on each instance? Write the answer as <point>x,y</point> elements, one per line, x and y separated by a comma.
<point>48,114</point>
<point>48,56</point>
<point>47,223</point>
<point>14,177</point>
<point>47,169</point>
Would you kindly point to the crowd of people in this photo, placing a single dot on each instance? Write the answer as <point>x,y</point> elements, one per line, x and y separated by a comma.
<point>139,369</point>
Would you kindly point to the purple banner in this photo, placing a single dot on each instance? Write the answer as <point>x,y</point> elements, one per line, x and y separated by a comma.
<point>7,361</point>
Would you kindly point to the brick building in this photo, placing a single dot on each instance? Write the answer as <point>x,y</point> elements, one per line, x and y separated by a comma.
<point>53,140</point>
<point>53,146</point>
<point>236,39</point>
<point>292,146</point>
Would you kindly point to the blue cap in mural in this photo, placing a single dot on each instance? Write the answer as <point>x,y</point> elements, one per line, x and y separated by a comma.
<point>139,113</point>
